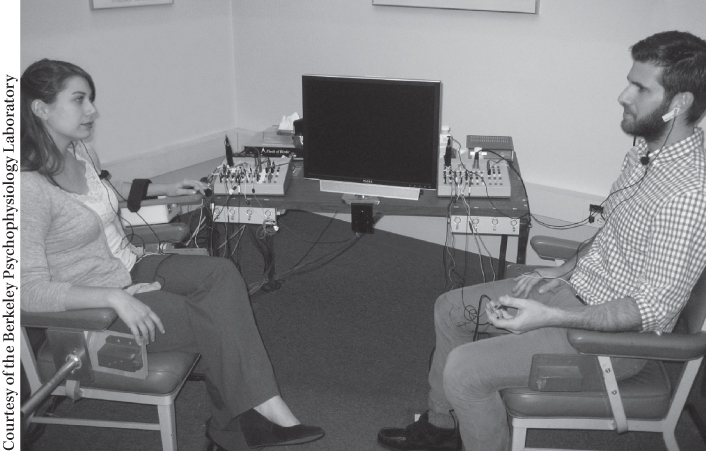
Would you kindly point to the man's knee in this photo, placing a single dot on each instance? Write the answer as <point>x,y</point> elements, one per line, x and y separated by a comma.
<point>472,370</point>
<point>448,312</point>
<point>460,373</point>
<point>457,312</point>
<point>439,305</point>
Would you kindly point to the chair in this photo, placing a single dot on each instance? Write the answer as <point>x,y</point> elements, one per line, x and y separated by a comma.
<point>644,402</point>
<point>159,237</point>
<point>47,339</point>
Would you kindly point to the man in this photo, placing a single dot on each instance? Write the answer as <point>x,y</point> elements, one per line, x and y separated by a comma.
<point>635,274</point>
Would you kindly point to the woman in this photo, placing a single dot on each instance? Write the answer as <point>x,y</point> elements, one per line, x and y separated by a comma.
<point>74,256</point>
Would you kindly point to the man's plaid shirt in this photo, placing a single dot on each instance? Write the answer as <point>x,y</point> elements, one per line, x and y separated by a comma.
<point>652,247</point>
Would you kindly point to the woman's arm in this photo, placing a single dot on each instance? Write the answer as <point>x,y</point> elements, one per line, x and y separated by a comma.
<point>47,288</point>
<point>182,188</point>
<point>141,320</point>
<point>39,293</point>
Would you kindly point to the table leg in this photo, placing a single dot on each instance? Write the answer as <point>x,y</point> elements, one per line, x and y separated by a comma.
<point>522,240</point>
<point>502,260</point>
<point>266,246</point>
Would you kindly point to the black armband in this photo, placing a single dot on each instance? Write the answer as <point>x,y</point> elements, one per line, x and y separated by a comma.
<point>138,191</point>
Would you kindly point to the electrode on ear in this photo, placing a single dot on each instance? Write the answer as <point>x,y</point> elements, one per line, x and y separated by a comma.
<point>671,115</point>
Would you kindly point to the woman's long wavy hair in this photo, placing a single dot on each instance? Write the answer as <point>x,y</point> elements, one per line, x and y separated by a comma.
<point>43,80</point>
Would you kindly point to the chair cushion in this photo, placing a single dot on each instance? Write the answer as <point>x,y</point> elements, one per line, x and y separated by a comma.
<point>646,395</point>
<point>167,370</point>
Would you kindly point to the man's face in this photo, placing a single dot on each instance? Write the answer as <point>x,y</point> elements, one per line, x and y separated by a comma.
<point>644,103</point>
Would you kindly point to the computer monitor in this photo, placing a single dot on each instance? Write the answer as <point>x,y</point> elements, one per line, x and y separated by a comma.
<point>367,136</point>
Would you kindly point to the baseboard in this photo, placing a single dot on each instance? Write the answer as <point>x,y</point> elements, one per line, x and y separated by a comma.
<point>560,204</point>
<point>177,156</point>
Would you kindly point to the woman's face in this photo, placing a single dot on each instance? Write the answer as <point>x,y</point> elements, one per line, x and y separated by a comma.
<point>70,117</point>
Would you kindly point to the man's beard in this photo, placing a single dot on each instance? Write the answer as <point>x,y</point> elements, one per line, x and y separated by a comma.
<point>651,127</point>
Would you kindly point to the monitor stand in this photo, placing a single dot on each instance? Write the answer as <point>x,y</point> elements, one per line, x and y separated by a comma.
<point>366,191</point>
<point>359,199</point>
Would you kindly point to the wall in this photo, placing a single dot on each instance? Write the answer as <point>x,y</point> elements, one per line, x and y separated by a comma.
<point>550,81</point>
<point>164,74</point>
<point>172,79</point>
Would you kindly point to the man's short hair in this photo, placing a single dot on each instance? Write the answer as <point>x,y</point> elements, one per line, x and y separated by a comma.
<point>682,57</point>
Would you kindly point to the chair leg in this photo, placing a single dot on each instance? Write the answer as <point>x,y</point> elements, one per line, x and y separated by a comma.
<point>696,418</point>
<point>691,406</point>
<point>167,427</point>
<point>670,441</point>
<point>519,438</point>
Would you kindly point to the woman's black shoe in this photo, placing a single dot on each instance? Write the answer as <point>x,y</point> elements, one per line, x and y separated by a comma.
<point>259,431</point>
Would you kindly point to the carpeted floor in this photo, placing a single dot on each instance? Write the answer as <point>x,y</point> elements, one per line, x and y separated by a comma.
<point>350,344</point>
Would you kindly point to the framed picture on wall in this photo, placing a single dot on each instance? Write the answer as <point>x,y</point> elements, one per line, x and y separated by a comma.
<point>507,6</point>
<point>105,4</point>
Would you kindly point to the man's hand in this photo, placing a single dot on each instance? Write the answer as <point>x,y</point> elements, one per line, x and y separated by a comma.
<point>525,282</point>
<point>530,314</point>
<point>617,315</point>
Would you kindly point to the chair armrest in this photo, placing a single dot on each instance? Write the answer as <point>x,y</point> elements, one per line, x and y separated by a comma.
<point>669,346</point>
<point>172,232</point>
<point>550,248</point>
<point>82,319</point>
<point>140,235</point>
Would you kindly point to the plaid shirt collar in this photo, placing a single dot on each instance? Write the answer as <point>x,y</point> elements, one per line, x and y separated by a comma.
<point>677,151</point>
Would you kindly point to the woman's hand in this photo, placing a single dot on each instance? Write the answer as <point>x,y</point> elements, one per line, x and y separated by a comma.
<point>526,282</point>
<point>138,317</point>
<point>185,188</point>
<point>143,288</point>
<point>141,320</point>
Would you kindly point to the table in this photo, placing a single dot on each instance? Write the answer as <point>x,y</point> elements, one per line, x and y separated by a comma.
<point>304,194</point>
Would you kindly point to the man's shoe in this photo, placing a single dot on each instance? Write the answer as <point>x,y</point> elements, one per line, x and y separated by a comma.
<point>212,446</point>
<point>420,436</point>
<point>259,431</point>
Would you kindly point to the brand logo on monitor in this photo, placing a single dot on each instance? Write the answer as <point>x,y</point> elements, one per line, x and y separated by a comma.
<point>367,181</point>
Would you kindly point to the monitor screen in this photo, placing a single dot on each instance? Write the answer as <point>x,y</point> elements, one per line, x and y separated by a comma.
<point>368,130</point>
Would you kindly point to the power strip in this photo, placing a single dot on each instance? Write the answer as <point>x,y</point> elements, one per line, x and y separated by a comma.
<point>187,251</point>
<point>168,248</point>
<point>244,215</point>
<point>485,225</point>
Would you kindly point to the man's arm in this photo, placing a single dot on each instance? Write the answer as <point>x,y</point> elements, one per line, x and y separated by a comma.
<point>614,316</point>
